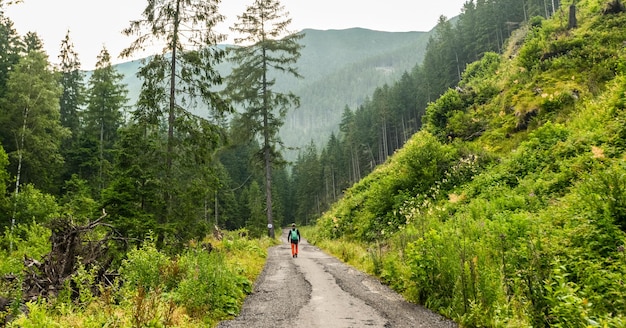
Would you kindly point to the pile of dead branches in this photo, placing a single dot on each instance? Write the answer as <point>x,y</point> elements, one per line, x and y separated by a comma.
<point>73,246</point>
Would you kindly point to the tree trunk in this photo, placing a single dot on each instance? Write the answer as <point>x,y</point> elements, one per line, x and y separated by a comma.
<point>18,174</point>
<point>266,152</point>
<point>170,122</point>
<point>101,183</point>
<point>572,17</point>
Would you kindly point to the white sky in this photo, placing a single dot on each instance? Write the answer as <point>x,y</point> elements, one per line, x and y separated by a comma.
<point>97,23</point>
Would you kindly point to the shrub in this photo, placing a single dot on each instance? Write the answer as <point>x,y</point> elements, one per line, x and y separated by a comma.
<point>567,307</point>
<point>482,69</point>
<point>439,112</point>
<point>27,240</point>
<point>465,125</point>
<point>538,151</point>
<point>530,54</point>
<point>37,317</point>
<point>604,193</point>
<point>34,205</point>
<point>143,267</point>
<point>208,285</point>
<point>536,21</point>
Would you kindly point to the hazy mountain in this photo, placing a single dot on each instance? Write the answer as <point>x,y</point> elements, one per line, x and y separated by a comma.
<point>339,68</point>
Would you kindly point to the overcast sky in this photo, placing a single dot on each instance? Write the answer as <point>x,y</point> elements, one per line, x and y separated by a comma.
<point>97,23</point>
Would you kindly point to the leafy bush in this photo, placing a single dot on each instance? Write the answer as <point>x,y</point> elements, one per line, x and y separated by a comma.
<point>482,69</point>
<point>208,285</point>
<point>530,54</point>
<point>38,317</point>
<point>537,152</point>
<point>536,21</point>
<point>439,112</point>
<point>143,267</point>
<point>28,240</point>
<point>34,205</point>
<point>604,194</point>
<point>465,125</point>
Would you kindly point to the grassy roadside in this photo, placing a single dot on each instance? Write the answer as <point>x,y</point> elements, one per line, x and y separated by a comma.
<point>203,285</point>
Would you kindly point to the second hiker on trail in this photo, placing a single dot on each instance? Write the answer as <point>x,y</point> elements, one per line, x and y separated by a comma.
<point>294,237</point>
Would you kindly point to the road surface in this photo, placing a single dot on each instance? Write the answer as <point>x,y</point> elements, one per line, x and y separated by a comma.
<point>316,290</point>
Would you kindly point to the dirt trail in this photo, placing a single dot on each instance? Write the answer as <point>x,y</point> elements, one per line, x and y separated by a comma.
<point>317,290</point>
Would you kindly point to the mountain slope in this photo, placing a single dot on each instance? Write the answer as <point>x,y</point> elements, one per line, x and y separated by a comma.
<point>350,65</point>
<point>508,210</point>
<point>339,68</point>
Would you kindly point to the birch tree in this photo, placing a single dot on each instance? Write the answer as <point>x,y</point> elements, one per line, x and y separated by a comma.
<point>31,115</point>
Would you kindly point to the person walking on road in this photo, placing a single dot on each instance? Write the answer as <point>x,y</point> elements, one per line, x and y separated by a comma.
<point>294,237</point>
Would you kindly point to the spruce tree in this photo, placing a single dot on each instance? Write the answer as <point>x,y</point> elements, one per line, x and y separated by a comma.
<point>11,49</point>
<point>106,95</point>
<point>72,81</point>
<point>32,42</point>
<point>178,90</point>
<point>71,102</point>
<point>307,173</point>
<point>266,49</point>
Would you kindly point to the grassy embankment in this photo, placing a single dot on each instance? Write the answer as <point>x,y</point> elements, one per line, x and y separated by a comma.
<point>199,287</point>
<point>509,209</point>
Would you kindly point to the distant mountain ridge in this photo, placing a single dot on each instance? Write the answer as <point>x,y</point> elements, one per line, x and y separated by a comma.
<point>339,68</point>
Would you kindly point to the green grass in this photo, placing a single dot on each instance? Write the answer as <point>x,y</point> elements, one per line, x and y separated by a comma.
<point>199,287</point>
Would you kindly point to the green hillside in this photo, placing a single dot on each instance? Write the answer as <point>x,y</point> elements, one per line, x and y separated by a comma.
<point>509,208</point>
<point>344,67</point>
<point>339,68</point>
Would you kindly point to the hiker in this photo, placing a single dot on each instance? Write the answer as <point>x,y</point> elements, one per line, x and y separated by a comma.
<point>294,237</point>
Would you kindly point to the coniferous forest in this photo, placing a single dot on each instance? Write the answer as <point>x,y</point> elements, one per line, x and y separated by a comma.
<point>486,183</point>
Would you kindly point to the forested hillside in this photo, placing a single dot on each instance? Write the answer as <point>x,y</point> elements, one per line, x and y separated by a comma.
<point>507,208</point>
<point>339,68</point>
<point>370,132</point>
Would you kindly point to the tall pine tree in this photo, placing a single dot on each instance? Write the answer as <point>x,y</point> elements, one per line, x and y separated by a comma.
<point>266,49</point>
<point>72,81</point>
<point>175,83</point>
<point>11,48</point>
<point>106,95</point>
<point>72,100</point>
<point>32,42</point>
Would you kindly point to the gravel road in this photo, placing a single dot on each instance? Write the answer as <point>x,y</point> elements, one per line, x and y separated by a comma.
<point>317,290</point>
